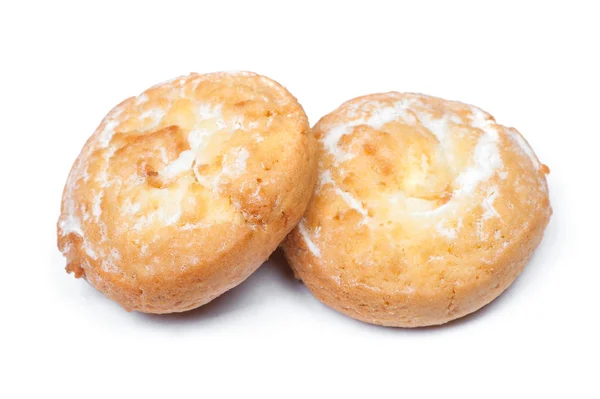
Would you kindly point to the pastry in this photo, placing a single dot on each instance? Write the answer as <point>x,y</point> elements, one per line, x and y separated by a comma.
<point>425,210</point>
<point>183,191</point>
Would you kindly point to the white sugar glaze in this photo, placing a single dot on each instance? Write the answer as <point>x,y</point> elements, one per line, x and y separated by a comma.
<point>448,127</point>
<point>209,123</point>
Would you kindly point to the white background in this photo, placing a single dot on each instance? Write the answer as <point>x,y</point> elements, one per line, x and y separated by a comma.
<point>533,66</point>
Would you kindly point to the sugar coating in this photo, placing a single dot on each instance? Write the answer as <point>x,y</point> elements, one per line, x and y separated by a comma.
<point>71,223</point>
<point>446,231</point>
<point>182,164</point>
<point>457,124</point>
<point>351,201</point>
<point>312,247</point>
<point>486,156</point>
<point>525,147</point>
<point>151,118</point>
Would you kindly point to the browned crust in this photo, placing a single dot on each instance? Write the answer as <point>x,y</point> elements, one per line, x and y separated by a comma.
<point>173,283</point>
<point>458,281</point>
<point>412,310</point>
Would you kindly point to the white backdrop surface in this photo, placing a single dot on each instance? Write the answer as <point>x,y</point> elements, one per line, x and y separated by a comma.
<point>532,65</point>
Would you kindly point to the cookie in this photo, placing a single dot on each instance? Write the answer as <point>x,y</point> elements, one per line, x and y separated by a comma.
<point>183,191</point>
<point>425,210</point>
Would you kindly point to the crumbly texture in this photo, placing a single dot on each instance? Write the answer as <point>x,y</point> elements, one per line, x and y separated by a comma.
<point>183,191</point>
<point>425,210</point>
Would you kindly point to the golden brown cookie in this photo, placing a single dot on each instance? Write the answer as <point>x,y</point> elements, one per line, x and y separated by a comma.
<point>425,210</point>
<point>183,191</point>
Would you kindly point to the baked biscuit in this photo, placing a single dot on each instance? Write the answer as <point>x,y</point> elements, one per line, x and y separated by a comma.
<point>183,191</point>
<point>425,210</point>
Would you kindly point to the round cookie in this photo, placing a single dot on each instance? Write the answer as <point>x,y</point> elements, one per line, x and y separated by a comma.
<point>425,210</point>
<point>183,191</point>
